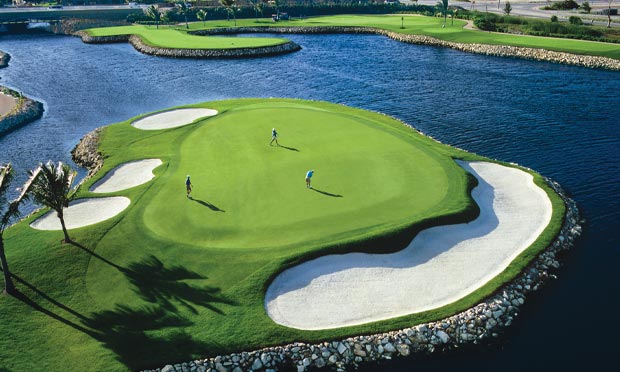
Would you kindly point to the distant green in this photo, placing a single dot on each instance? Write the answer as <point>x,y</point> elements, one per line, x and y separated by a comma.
<point>413,24</point>
<point>173,279</point>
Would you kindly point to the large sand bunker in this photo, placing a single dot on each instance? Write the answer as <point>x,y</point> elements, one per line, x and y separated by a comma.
<point>126,176</point>
<point>83,212</point>
<point>172,118</point>
<point>441,265</point>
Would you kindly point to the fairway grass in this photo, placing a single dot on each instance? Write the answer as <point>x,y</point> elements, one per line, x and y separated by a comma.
<point>172,279</point>
<point>413,24</point>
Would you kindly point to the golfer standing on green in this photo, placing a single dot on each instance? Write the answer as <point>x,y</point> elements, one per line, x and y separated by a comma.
<point>188,186</point>
<point>274,137</point>
<point>308,177</point>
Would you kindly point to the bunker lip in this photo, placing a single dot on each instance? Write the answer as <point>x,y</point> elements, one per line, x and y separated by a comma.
<point>126,176</point>
<point>441,265</point>
<point>83,212</point>
<point>172,119</point>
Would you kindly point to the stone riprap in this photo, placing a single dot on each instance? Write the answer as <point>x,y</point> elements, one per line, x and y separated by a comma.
<point>86,153</point>
<point>491,50</point>
<point>26,111</point>
<point>231,53</point>
<point>4,59</point>
<point>480,324</point>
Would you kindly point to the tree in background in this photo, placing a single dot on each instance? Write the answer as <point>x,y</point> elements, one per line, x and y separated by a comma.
<point>153,13</point>
<point>51,187</point>
<point>586,7</point>
<point>202,16</point>
<point>507,8</point>
<point>8,213</point>
<point>230,6</point>
<point>442,6</point>
<point>184,10</point>
<point>257,5</point>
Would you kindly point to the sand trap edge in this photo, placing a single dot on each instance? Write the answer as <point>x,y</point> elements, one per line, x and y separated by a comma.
<point>172,118</point>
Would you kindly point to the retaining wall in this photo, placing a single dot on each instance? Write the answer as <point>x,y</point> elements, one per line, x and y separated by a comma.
<point>27,111</point>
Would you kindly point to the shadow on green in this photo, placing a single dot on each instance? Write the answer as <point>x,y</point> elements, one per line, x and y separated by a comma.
<point>207,204</point>
<point>130,332</point>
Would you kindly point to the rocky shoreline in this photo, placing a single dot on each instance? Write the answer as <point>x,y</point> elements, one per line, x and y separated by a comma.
<point>86,153</point>
<point>26,111</point>
<point>485,49</point>
<point>4,59</point>
<point>231,53</point>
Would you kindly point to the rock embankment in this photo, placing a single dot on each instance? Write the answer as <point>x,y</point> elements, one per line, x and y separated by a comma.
<point>231,53</point>
<point>4,59</point>
<point>86,152</point>
<point>26,111</point>
<point>492,50</point>
<point>69,26</point>
<point>478,325</point>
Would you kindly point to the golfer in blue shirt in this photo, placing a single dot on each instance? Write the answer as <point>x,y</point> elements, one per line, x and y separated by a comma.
<point>308,177</point>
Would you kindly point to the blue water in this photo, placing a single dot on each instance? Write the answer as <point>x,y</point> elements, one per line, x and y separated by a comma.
<point>561,121</point>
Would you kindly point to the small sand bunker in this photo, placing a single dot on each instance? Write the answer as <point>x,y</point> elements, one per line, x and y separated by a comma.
<point>441,265</point>
<point>172,118</point>
<point>127,175</point>
<point>83,212</point>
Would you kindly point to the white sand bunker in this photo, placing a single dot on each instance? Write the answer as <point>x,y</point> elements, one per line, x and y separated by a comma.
<point>441,265</point>
<point>172,118</point>
<point>83,212</point>
<point>126,176</point>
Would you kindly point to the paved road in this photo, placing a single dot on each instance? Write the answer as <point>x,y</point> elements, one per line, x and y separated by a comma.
<point>532,8</point>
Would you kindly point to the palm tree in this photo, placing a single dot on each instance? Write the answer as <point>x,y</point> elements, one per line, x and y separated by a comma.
<point>443,8</point>
<point>153,13</point>
<point>183,9</point>
<point>230,6</point>
<point>7,214</point>
<point>202,15</point>
<point>52,188</point>
<point>257,5</point>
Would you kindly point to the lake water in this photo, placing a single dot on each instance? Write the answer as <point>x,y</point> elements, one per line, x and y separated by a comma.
<point>561,121</point>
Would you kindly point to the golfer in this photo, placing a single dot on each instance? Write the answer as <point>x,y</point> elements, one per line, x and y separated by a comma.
<point>308,177</point>
<point>188,186</point>
<point>274,137</point>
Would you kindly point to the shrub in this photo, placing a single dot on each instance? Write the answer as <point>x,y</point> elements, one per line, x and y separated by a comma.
<point>564,5</point>
<point>485,23</point>
<point>574,20</point>
<point>554,18</point>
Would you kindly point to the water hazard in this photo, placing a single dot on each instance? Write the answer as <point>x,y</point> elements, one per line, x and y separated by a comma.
<point>560,120</point>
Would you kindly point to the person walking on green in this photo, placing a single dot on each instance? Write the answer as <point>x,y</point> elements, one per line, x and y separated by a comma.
<point>188,186</point>
<point>308,178</point>
<point>274,137</point>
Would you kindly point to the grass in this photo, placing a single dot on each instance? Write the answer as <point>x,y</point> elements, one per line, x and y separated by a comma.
<point>419,25</point>
<point>172,279</point>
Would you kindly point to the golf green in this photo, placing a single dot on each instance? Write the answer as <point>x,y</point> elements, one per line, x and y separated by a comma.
<point>171,278</point>
<point>247,193</point>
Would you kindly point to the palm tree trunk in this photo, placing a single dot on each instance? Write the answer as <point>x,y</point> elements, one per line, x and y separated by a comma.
<point>9,287</point>
<point>64,228</point>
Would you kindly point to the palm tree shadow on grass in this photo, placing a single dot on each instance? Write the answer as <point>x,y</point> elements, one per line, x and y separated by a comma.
<point>128,332</point>
<point>327,193</point>
<point>157,284</point>
<point>208,205</point>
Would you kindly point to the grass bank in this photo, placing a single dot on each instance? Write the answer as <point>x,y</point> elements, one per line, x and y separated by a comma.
<point>173,279</point>
<point>418,25</point>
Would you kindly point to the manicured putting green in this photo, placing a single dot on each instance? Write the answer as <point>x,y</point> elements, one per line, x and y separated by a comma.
<point>250,194</point>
